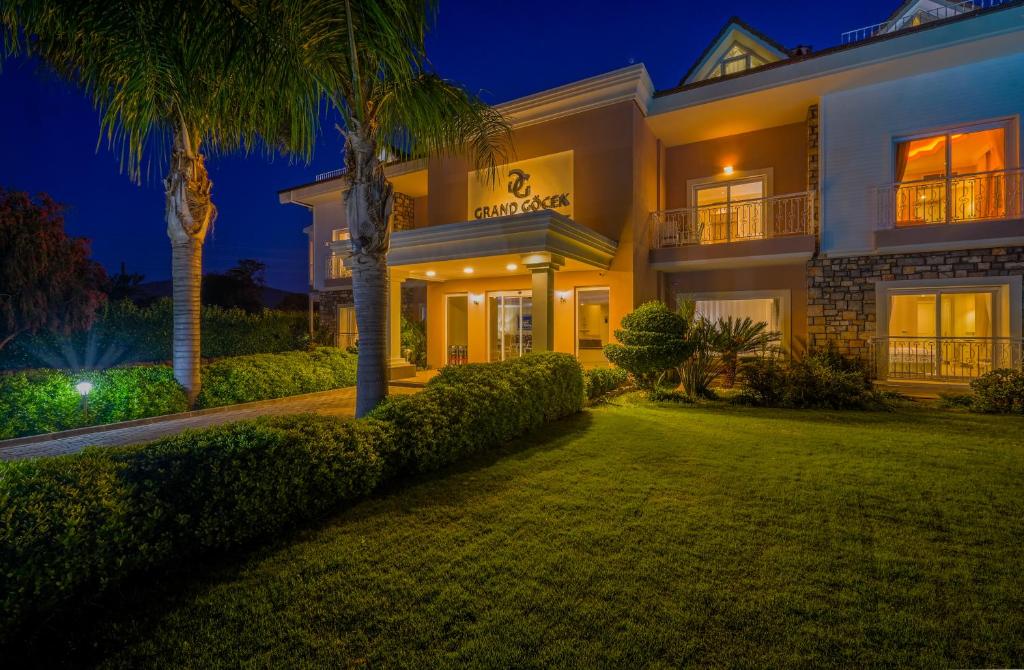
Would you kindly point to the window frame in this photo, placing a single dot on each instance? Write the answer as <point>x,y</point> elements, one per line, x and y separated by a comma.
<point>1010,150</point>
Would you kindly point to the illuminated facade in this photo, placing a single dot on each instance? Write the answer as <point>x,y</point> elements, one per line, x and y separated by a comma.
<point>868,195</point>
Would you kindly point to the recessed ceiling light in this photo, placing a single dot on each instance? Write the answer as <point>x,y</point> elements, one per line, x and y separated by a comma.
<point>511,267</point>
<point>728,169</point>
<point>431,273</point>
<point>468,271</point>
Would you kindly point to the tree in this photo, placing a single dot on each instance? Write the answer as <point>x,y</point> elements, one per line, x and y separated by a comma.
<point>124,285</point>
<point>652,341</point>
<point>47,281</point>
<point>178,79</point>
<point>407,112</point>
<point>736,337</point>
<point>700,368</point>
<point>241,287</point>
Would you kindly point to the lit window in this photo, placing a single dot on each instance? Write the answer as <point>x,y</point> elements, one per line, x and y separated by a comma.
<point>736,59</point>
<point>732,210</point>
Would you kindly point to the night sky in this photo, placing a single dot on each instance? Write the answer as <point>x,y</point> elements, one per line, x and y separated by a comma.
<point>49,132</point>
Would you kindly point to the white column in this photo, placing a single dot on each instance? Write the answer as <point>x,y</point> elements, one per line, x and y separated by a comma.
<point>398,367</point>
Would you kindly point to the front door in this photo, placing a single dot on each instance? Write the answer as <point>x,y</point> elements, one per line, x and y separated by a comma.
<point>510,320</point>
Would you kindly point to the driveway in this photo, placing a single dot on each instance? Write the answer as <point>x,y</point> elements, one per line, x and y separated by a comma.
<point>340,402</point>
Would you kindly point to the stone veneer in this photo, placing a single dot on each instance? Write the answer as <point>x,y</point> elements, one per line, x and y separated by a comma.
<point>403,213</point>
<point>841,291</point>
<point>813,152</point>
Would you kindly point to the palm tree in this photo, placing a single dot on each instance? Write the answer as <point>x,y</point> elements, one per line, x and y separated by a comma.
<point>736,337</point>
<point>399,113</point>
<point>179,79</point>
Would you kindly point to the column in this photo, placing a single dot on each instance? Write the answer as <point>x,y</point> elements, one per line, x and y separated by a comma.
<point>398,367</point>
<point>542,268</point>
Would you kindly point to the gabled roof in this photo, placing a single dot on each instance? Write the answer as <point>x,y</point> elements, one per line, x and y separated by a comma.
<point>910,7</point>
<point>735,30</point>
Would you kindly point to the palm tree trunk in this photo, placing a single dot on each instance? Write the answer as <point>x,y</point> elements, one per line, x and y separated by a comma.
<point>189,212</point>
<point>370,290</point>
<point>368,203</point>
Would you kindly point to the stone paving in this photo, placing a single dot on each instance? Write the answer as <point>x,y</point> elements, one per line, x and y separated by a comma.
<point>333,403</point>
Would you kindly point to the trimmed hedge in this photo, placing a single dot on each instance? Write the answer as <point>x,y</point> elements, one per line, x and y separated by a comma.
<point>229,381</point>
<point>42,401</point>
<point>467,408</point>
<point>125,334</point>
<point>999,392</point>
<point>602,381</point>
<point>72,526</point>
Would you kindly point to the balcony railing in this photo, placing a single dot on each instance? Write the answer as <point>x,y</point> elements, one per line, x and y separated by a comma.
<point>984,196</point>
<point>336,267</point>
<point>943,359</point>
<point>945,11</point>
<point>737,221</point>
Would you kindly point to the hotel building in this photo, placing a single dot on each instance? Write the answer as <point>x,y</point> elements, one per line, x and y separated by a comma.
<point>867,195</point>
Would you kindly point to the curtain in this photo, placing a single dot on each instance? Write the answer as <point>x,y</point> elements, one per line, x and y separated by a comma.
<point>902,157</point>
<point>757,309</point>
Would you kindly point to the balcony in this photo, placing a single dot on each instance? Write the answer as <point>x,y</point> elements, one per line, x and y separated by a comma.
<point>335,270</point>
<point>984,205</point>
<point>947,10</point>
<point>956,360</point>
<point>742,232</point>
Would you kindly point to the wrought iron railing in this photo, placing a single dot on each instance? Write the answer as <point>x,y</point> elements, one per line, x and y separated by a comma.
<point>736,221</point>
<point>944,11</point>
<point>984,196</point>
<point>336,267</point>
<point>948,359</point>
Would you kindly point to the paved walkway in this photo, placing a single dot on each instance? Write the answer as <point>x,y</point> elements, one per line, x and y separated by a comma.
<point>333,403</point>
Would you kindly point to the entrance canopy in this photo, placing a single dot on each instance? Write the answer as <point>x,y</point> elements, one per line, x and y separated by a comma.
<point>495,245</point>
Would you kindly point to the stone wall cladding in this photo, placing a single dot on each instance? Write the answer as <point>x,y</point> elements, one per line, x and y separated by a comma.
<point>403,214</point>
<point>812,160</point>
<point>841,291</point>
<point>329,302</point>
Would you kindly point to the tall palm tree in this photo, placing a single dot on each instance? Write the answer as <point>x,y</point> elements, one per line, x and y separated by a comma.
<point>178,79</point>
<point>398,113</point>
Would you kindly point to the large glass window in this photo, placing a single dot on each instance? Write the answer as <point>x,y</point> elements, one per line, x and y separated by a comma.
<point>728,211</point>
<point>591,326</point>
<point>953,177</point>
<point>348,331</point>
<point>758,310</point>
<point>510,317</point>
<point>942,333</point>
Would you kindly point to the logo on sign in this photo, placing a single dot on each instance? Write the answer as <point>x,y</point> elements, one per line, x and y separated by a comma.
<point>516,183</point>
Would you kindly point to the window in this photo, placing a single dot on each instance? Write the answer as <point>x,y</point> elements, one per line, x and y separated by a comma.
<point>591,326</point>
<point>758,310</point>
<point>736,59</point>
<point>954,177</point>
<point>348,331</point>
<point>728,211</point>
<point>339,234</point>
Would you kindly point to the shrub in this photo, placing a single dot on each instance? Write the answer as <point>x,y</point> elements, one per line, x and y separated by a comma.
<point>71,526</point>
<point>703,365</point>
<point>75,524</point>
<point>999,392</point>
<point>602,381</point>
<point>817,381</point>
<point>124,333</point>
<point>249,378</point>
<point>42,401</point>
<point>468,408</point>
<point>653,340</point>
<point>414,341</point>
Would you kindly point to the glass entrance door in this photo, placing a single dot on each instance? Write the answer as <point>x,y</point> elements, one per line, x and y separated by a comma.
<point>510,317</point>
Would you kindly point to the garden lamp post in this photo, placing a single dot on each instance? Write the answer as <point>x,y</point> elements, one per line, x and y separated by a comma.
<point>83,388</point>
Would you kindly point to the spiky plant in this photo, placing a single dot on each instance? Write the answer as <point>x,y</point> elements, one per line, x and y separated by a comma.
<point>737,337</point>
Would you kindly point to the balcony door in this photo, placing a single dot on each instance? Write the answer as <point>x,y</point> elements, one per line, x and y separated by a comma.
<point>955,177</point>
<point>729,211</point>
<point>510,320</point>
<point>943,334</point>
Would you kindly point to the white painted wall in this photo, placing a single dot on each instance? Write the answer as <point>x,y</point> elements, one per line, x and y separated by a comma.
<point>858,127</point>
<point>326,217</point>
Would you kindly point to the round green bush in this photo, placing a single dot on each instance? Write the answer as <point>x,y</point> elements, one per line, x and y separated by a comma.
<point>652,340</point>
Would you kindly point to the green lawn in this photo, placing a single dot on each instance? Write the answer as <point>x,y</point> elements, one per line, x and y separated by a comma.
<point>637,535</point>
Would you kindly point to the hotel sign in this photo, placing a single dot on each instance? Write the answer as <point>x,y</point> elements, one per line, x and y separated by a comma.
<point>524,186</point>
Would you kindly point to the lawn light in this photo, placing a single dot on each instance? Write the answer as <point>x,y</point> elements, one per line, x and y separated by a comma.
<point>84,388</point>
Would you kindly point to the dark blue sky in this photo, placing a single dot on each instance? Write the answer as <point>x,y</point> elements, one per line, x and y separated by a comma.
<point>49,132</point>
